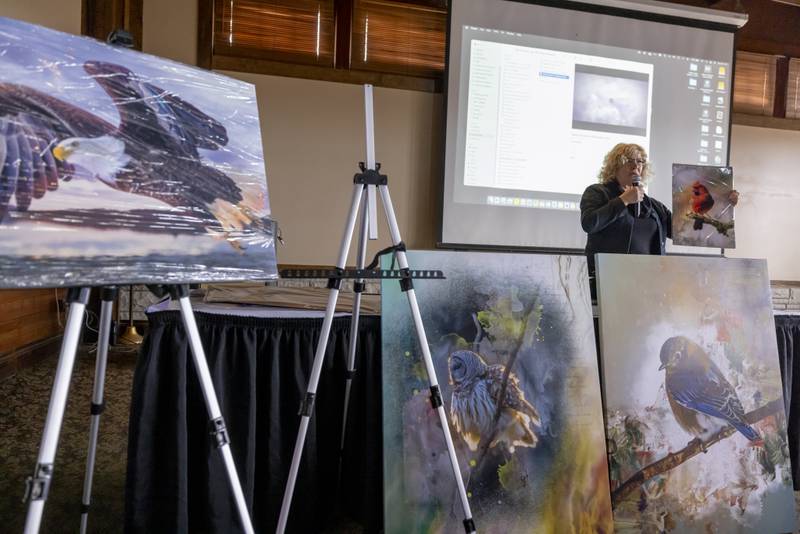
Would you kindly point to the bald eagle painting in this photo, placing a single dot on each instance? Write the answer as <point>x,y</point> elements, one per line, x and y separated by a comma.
<point>119,167</point>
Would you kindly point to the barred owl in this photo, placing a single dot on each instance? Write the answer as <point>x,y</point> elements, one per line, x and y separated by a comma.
<point>476,388</point>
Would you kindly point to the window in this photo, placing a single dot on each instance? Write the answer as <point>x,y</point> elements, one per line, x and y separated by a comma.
<point>754,83</point>
<point>391,36</point>
<point>296,31</point>
<point>395,43</point>
<point>793,90</point>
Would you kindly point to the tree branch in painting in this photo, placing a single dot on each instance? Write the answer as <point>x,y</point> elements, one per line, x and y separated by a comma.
<point>696,446</point>
<point>530,310</point>
<point>722,227</point>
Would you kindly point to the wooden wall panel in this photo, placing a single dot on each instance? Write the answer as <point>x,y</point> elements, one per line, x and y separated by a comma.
<point>27,316</point>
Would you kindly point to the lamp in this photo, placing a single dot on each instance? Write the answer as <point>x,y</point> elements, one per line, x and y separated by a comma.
<point>130,336</point>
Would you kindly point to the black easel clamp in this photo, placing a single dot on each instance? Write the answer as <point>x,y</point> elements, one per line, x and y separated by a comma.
<point>436,397</point>
<point>38,486</point>
<point>97,409</point>
<point>108,293</point>
<point>370,176</point>
<point>405,280</point>
<point>77,294</point>
<point>307,406</point>
<point>219,432</point>
<point>335,282</point>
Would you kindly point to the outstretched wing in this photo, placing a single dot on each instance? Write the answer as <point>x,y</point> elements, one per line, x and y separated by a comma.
<point>155,116</point>
<point>31,122</point>
<point>702,387</point>
<point>188,123</point>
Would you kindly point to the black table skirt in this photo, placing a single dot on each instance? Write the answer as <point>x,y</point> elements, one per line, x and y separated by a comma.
<point>788,329</point>
<point>176,481</point>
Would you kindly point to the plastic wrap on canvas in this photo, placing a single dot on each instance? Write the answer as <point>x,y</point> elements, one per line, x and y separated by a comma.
<point>119,167</point>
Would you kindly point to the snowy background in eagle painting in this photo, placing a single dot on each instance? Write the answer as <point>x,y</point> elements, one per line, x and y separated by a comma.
<point>699,331</point>
<point>85,232</point>
<point>546,468</point>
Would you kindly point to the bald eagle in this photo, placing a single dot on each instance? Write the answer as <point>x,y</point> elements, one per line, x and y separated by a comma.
<point>153,152</point>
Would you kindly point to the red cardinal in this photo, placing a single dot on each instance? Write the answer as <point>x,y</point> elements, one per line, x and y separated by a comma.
<point>702,201</point>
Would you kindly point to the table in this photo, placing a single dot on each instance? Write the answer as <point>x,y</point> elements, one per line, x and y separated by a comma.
<point>260,360</point>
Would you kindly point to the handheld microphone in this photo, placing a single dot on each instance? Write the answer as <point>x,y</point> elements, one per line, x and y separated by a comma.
<point>637,182</point>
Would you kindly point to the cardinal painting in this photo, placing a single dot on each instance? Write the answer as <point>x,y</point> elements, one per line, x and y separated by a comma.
<point>118,167</point>
<point>703,201</point>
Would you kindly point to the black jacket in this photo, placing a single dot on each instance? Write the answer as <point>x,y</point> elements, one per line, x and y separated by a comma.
<point>609,223</point>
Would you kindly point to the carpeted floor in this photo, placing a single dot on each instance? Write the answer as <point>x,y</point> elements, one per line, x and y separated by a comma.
<point>23,407</point>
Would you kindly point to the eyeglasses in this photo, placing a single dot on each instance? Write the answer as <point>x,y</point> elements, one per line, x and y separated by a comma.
<point>635,162</point>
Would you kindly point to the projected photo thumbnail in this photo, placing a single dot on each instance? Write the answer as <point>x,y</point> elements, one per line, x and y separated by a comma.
<point>610,100</point>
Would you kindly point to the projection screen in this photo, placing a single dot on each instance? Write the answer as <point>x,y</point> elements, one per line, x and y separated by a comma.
<point>537,94</point>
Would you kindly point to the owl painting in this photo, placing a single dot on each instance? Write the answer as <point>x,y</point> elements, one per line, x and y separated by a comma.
<point>476,391</point>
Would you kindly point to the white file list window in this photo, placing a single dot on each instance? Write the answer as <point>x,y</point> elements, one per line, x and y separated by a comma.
<point>540,120</point>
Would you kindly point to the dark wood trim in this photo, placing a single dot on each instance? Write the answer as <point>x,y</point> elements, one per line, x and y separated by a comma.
<point>134,13</point>
<point>245,52</point>
<point>205,33</point>
<point>277,68</point>
<point>100,17</point>
<point>85,17</point>
<point>764,121</point>
<point>343,28</point>
<point>781,84</point>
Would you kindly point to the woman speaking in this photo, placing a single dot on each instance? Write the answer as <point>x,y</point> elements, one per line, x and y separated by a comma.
<point>616,214</point>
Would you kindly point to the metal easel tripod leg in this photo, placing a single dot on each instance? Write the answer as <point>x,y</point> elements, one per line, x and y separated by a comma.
<point>38,485</point>
<point>358,289</point>
<point>108,295</point>
<point>218,430</point>
<point>307,406</point>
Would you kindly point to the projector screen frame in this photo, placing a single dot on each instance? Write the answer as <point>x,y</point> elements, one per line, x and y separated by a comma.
<point>643,10</point>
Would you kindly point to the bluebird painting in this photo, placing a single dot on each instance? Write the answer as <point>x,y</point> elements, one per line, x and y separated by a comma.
<point>702,400</point>
<point>512,344</point>
<point>695,417</point>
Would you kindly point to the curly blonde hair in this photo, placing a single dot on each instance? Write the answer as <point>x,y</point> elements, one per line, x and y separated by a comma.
<point>619,156</point>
